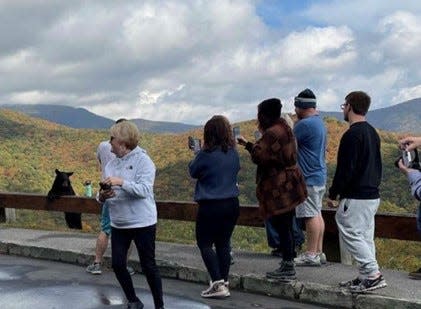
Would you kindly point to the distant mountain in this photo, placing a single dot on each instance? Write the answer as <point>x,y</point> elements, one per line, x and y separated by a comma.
<point>80,118</point>
<point>163,126</point>
<point>403,117</point>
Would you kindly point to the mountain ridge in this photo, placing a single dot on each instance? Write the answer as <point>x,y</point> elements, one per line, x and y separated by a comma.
<point>402,117</point>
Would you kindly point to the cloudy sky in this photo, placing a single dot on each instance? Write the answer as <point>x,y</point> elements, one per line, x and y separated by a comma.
<point>187,60</point>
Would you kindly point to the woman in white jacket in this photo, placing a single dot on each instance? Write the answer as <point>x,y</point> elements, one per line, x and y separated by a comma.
<point>132,208</point>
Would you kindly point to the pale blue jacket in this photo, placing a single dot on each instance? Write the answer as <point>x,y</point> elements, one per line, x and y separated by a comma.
<point>134,204</point>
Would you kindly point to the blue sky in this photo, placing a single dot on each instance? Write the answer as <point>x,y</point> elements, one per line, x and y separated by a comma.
<point>186,60</point>
<point>275,13</point>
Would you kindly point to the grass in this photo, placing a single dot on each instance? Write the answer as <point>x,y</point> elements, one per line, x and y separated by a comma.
<point>392,254</point>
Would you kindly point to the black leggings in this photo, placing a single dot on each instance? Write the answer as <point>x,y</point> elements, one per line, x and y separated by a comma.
<point>144,239</point>
<point>283,225</point>
<point>215,223</point>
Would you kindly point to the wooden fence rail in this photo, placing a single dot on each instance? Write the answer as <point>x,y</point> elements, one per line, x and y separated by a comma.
<point>393,226</point>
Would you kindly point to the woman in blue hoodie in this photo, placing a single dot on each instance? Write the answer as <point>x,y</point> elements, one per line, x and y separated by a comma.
<point>216,167</point>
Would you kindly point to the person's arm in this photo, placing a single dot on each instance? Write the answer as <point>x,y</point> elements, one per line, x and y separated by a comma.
<point>410,143</point>
<point>266,150</point>
<point>196,165</point>
<point>414,178</point>
<point>142,186</point>
<point>348,156</point>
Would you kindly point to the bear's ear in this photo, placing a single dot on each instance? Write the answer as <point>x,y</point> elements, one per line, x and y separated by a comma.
<point>57,172</point>
<point>69,174</point>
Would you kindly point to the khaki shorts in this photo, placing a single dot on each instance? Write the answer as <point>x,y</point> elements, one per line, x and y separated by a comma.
<point>312,206</point>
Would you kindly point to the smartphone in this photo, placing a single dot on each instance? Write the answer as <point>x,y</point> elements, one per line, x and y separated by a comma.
<point>191,142</point>
<point>236,132</point>
<point>257,135</point>
<point>195,144</point>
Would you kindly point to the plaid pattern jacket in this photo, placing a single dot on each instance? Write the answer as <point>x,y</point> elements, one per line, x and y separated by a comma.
<point>280,184</point>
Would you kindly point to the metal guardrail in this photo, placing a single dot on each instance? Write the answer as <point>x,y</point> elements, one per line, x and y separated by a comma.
<point>392,226</point>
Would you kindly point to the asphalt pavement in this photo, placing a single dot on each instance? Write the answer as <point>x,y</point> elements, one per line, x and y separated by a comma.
<point>39,284</point>
<point>317,285</point>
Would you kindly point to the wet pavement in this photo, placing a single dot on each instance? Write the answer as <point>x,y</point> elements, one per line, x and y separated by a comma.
<point>38,284</point>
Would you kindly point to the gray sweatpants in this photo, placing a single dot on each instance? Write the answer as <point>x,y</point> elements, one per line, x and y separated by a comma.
<point>355,219</point>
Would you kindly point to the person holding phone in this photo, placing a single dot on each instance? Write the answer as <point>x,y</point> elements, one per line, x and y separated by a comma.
<point>411,143</point>
<point>133,213</point>
<point>216,167</point>
<point>104,155</point>
<point>280,184</point>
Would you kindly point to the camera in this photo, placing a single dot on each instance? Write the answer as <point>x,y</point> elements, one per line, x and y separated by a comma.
<point>410,159</point>
<point>104,186</point>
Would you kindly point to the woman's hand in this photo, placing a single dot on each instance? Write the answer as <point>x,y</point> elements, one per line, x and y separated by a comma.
<point>241,140</point>
<point>106,194</point>
<point>113,181</point>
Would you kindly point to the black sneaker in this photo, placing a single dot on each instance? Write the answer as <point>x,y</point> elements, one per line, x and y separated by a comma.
<point>350,283</point>
<point>285,272</point>
<point>135,305</point>
<point>369,285</point>
<point>276,252</point>
<point>415,274</point>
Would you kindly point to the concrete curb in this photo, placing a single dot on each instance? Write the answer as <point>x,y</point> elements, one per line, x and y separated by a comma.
<point>299,291</point>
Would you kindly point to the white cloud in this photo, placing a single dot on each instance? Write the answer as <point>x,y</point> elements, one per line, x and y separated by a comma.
<point>402,35</point>
<point>38,97</point>
<point>187,60</point>
<point>406,94</point>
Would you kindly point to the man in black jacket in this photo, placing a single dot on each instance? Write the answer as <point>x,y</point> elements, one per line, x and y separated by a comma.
<point>356,182</point>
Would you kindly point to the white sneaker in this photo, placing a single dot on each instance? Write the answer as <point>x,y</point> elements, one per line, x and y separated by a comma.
<point>94,269</point>
<point>307,260</point>
<point>216,289</point>
<point>323,259</point>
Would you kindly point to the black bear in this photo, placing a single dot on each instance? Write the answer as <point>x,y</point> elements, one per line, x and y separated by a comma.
<point>63,186</point>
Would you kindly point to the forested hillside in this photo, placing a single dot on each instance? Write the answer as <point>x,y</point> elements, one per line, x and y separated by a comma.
<point>31,149</point>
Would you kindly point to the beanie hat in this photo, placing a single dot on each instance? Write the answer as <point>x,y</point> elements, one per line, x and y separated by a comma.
<point>305,99</point>
<point>270,108</point>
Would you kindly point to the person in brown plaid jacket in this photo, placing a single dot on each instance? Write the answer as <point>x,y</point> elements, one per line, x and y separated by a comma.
<point>280,184</point>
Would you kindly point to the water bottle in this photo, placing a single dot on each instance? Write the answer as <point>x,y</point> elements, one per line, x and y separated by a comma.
<point>88,188</point>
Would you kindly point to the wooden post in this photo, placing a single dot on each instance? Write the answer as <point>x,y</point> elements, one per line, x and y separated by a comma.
<point>331,247</point>
<point>2,214</point>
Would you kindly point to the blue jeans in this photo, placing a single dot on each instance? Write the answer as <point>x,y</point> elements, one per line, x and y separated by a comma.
<point>273,237</point>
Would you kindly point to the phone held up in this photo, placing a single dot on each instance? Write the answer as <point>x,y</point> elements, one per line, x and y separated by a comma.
<point>410,159</point>
<point>195,144</point>
<point>236,132</point>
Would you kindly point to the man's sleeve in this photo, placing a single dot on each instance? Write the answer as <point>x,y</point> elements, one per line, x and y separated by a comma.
<point>348,156</point>
<point>414,178</point>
